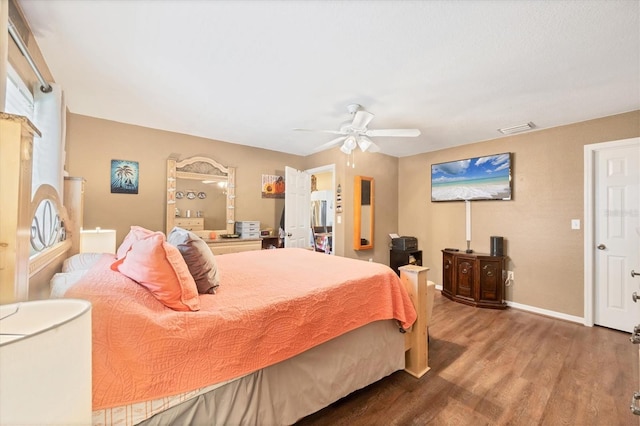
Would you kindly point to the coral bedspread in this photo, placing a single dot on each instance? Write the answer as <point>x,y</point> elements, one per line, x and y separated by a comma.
<point>271,305</point>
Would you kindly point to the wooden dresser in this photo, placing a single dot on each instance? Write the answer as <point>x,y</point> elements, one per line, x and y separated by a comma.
<point>233,245</point>
<point>474,279</point>
<point>190,223</point>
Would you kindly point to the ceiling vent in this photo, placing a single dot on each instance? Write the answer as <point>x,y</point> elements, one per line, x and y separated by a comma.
<point>517,129</point>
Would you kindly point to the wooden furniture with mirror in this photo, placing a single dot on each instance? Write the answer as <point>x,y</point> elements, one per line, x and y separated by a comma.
<point>201,198</point>
<point>213,189</point>
<point>363,214</point>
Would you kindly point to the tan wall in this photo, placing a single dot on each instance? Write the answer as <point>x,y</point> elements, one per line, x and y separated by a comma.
<point>92,143</point>
<point>384,170</point>
<point>323,181</point>
<point>544,253</point>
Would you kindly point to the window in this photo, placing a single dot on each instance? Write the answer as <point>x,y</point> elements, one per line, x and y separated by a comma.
<point>19,99</point>
<point>47,112</point>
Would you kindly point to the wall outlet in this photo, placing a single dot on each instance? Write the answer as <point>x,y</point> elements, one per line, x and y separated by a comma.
<point>510,276</point>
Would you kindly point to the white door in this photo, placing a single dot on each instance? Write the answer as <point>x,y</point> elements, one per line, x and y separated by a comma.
<point>297,213</point>
<point>617,236</point>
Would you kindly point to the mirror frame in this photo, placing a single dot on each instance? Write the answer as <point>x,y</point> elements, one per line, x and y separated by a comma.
<point>190,169</point>
<point>357,213</point>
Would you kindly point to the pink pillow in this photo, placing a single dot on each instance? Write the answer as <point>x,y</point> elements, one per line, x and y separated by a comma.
<point>159,267</point>
<point>136,233</point>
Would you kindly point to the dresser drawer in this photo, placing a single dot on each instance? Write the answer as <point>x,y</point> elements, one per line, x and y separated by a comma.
<point>190,223</point>
<point>248,229</point>
<point>248,223</point>
<point>235,246</point>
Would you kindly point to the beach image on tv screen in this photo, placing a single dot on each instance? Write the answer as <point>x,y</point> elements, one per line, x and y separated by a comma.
<point>480,178</point>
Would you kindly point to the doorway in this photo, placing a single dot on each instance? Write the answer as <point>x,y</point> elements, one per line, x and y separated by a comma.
<point>612,233</point>
<point>322,208</point>
<point>301,228</point>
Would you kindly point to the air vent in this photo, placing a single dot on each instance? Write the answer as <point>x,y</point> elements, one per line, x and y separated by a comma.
<point>517,129</point>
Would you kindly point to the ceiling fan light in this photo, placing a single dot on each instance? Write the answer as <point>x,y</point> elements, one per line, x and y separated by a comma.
<point>350,142</point>
<point>345,149</point>
<point>364,143</point>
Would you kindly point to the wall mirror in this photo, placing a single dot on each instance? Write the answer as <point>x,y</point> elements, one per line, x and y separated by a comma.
<point>201,187</point>
<point>363,213</point>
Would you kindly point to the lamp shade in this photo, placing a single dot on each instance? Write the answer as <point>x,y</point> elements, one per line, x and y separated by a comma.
<point>45,362</point>
<point>345,149</point>
<point>98,241</point>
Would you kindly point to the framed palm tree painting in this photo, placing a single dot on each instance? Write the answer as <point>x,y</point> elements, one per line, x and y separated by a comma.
<point>124,177</point>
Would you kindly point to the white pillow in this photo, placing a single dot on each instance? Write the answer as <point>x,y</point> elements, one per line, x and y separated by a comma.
<point>62,281</point>
<point>80,262</point>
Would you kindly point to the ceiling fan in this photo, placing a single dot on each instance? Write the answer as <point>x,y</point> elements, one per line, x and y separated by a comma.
<point>356,134</point>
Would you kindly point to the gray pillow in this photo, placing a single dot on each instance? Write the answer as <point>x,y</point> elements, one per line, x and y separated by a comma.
<point>198,257</point>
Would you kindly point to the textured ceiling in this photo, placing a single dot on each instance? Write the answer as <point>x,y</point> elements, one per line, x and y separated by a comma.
<point>249,72</point>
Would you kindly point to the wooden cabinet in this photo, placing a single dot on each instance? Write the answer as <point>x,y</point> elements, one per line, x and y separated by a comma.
<point>398,258</point>
<point>16,148</point>
<point>447,273</point>
<point>270,242</point>
<point>474,279</point>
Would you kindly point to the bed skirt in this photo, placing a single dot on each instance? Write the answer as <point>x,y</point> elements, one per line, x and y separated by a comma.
<point>290,390</point>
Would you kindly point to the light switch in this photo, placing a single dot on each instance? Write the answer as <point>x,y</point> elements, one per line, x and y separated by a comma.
<point>575,223</point>
<point>339,218</point>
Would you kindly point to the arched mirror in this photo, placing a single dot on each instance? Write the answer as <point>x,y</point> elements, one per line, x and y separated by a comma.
<point>201,189</point>
<point>363,213</point>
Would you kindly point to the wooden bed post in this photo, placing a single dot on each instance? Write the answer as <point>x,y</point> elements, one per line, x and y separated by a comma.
<point>414,279</point>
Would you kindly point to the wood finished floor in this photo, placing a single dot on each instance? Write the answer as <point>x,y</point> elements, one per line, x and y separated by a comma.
<point>503,367</point>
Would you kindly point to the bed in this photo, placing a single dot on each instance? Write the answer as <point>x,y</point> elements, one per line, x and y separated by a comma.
<point>287,332</point>
<point>304,376</point>
<point>291,363</point>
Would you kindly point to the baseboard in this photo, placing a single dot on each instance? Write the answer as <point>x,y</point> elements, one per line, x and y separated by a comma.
<point>540,311</point>
<point>545,312</point>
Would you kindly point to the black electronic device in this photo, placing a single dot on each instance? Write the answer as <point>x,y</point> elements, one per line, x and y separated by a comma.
<point>497,246</point>
<point>404,243</point>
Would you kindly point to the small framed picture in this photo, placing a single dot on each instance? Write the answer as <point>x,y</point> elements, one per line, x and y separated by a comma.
<point>124,177</point>
<point>273,186</point>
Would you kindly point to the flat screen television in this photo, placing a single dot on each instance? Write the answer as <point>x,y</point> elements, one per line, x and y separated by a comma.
<point>478,178</point>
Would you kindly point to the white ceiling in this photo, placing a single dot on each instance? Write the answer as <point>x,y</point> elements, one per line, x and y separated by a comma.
<point>248,72</point>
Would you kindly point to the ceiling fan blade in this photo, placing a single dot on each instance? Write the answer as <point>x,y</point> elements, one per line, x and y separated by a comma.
<point>374,148</point>
<point>362,120</point>
<point>329,144</point>
<point>333,132</point>
<point>393,132</point>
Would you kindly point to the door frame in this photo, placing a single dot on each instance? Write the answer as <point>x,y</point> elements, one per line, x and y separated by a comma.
<point>324,169</point>
<point>589,221</point>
